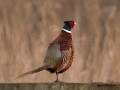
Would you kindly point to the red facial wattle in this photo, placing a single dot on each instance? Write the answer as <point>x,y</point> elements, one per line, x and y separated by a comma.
<point>71,24</point>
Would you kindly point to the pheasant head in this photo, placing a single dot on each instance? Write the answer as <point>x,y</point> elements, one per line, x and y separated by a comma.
<point>68,26</point>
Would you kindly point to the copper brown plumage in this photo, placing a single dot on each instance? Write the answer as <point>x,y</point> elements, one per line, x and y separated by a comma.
<point>65,42</point>
<point>60,53</point>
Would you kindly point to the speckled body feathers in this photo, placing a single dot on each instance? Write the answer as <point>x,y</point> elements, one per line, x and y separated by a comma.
<point>63,47</point>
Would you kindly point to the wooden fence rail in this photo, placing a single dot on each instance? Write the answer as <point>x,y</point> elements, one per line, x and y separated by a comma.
<point>59,86</point>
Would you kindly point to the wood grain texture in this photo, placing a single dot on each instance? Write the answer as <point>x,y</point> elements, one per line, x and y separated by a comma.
<point>59,86</point>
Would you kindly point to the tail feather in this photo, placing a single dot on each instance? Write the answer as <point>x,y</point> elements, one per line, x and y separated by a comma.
<point>44,67</point>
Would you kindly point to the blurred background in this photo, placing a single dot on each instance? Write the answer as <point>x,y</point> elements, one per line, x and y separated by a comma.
<point>28,26</point>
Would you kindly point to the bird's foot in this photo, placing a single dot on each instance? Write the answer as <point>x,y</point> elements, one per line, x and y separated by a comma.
<point>56,80</point>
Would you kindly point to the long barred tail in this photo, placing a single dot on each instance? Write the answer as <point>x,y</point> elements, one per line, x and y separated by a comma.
<point>44,67</point>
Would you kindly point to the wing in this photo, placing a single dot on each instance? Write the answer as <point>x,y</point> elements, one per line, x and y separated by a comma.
<point>53,55</point>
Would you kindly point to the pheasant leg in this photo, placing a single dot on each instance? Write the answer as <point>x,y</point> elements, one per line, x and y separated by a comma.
<point>57,79</point>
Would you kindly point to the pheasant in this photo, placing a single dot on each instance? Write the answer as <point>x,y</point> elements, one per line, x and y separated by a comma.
<point>59,55</point>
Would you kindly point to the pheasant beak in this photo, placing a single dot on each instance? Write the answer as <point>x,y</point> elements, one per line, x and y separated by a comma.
<point>75,24</point>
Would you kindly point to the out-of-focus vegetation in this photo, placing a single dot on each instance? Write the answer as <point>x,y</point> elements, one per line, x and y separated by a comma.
<point>28,26</point>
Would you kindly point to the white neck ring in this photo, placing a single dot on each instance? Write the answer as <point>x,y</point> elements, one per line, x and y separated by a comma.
<point>66,30</point>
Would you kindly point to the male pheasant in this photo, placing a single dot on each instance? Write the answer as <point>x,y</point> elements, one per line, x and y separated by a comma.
<point>59,55</point>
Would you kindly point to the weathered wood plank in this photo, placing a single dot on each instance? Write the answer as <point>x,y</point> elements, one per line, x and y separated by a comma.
<point>59,86</point>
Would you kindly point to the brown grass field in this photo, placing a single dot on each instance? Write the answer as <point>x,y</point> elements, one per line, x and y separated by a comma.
<point>28,26</point>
